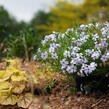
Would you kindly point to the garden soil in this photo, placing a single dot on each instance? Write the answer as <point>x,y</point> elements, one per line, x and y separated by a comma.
<point>61,96</point>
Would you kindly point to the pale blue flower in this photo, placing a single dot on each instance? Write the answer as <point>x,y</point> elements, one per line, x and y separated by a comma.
<point>54,56</point>
<point>44,55</point>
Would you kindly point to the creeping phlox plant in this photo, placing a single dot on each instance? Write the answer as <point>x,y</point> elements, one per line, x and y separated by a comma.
<point>80,52</point>
<point>12,83</point>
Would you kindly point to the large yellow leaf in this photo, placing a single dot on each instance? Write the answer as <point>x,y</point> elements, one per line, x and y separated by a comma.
<point>4,75</point>
<point>18,89</point>
<point>5,86</point>
<point>12,69</point>
<point>18,78</point>
<point>8,99</point>
<point>25,101</point>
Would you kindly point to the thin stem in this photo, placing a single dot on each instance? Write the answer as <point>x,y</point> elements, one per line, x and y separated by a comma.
<point>26,48</point>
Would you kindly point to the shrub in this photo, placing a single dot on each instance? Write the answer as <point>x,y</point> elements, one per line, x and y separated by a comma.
<point>81,52</point>
<point>22,45</point>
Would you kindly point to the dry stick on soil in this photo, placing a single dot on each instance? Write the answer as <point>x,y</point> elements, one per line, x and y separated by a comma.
<point>94,105</point>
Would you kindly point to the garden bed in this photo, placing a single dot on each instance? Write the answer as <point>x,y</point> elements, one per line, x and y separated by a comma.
<point>61,96</point>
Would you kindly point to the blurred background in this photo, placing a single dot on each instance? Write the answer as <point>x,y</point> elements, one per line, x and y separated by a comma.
<point>24,23</point>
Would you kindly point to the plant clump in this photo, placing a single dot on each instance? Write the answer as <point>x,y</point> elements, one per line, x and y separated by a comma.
<point>81,52</point>
<point>12,83</point>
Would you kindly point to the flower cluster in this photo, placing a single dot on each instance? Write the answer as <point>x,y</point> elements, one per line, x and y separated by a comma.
<point>77,51</point>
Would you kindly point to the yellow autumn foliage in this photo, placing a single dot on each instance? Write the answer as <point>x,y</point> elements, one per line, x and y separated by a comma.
<point>67,15</point>
<point>12,83</point>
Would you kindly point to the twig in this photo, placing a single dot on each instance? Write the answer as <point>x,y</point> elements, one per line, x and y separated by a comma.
<point>94,105</point>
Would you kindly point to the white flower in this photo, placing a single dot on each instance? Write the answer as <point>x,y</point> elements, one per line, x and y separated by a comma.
<point>63,35</point>
<point>43,42</point>
<point>35,57</point>
<point>69,30</point>
<point>63,66</point>
<point>44,55</point>
<point>87,69</point>
<point>95,55</point>
<point>88,52</point>
<point>107,54</point>
<point>84,69</point>
<point>79,43</point>
<point>104,58</point>
<point>73,54</point>
<point>52,37</point>
<point>76,49</point>
<point>67,54</point>
<point>79,55</point>
<point>64,63</point>
<point>39,50</point>
<point>95,37</point>
<point>83,27</point>
<point>55,45</point>
<point>73,61</point>
<point>46,38</point>
<point>97,25</point>
<point>71,69</point>
<point>92,66</point>
<point>51,49</point>
<point>108,37</point>
<point>59,36</point>
<point>54,56</point>
<point>104,44</point>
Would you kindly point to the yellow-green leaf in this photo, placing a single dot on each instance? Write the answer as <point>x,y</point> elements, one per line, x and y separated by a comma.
<point>5,86</point>
<point>8,99</point>
<point>18,89</point>
<point>25,101</point>
<point>4,75</point>
<point>18,78</point>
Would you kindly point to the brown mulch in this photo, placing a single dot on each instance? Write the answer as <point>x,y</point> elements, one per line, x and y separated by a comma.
<point>69,100</point>
<point>62,98</point>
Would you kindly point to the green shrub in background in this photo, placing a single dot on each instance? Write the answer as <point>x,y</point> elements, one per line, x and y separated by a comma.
<point>22,45</point>
<point>82,53</point>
